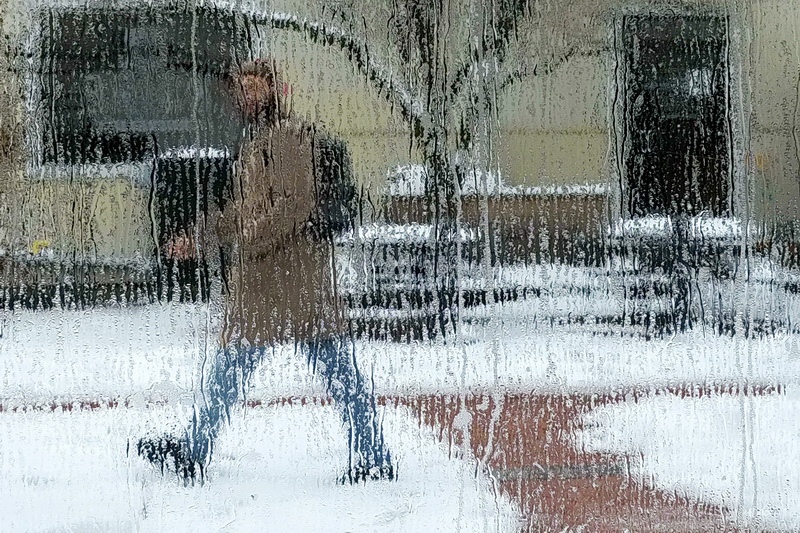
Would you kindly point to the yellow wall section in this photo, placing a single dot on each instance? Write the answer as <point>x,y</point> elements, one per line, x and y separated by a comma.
<point>101,220</point>
<point>773,81</point>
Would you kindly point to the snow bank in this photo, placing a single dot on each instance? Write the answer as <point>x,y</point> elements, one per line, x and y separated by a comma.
<point>408,234</point>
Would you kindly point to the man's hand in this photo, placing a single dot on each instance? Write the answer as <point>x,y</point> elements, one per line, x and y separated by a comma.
<point>180,246</point>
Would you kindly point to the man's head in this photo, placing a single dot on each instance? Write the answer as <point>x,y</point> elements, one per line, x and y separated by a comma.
<point>258,91</point>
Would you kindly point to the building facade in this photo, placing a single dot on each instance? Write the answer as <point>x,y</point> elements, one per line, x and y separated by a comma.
<point>659,109</point>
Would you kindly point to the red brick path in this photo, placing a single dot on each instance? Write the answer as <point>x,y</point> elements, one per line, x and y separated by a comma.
<point>526,440</point>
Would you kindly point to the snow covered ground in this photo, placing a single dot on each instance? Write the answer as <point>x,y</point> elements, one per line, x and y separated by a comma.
<point>275,470</point>
<point>69,470</point>
<point>155,353</point>
<point>738,452</point>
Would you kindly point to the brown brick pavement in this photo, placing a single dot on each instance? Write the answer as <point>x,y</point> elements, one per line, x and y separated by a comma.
<point>526,440</point>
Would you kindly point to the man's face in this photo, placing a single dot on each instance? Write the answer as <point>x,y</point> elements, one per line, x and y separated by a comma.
<point>256,94</point>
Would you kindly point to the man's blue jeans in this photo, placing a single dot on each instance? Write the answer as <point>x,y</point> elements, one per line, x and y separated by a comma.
<point>334,360</point>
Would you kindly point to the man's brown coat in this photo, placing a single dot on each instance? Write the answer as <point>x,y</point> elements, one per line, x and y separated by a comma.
<point>281,287</point>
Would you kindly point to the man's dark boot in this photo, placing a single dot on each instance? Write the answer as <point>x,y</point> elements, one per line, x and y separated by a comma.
<point>174,455</point>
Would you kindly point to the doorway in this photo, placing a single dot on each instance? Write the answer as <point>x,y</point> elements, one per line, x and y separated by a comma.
<point>676,115</point>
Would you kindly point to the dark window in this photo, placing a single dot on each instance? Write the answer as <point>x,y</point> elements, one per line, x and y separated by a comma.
<point>123,85</point>
<point>677,156</point>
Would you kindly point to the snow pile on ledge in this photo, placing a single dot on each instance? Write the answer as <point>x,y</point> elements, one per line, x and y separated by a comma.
<point>398,234</point>
<point>700,227</point>
<point>573,189</point>
<point>650,226</point>
<point>716,228</point>
<point>411,180</point>
<point>191,152</point>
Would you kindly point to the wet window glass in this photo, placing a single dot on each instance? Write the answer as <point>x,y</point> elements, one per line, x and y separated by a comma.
<point>399,265</point>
